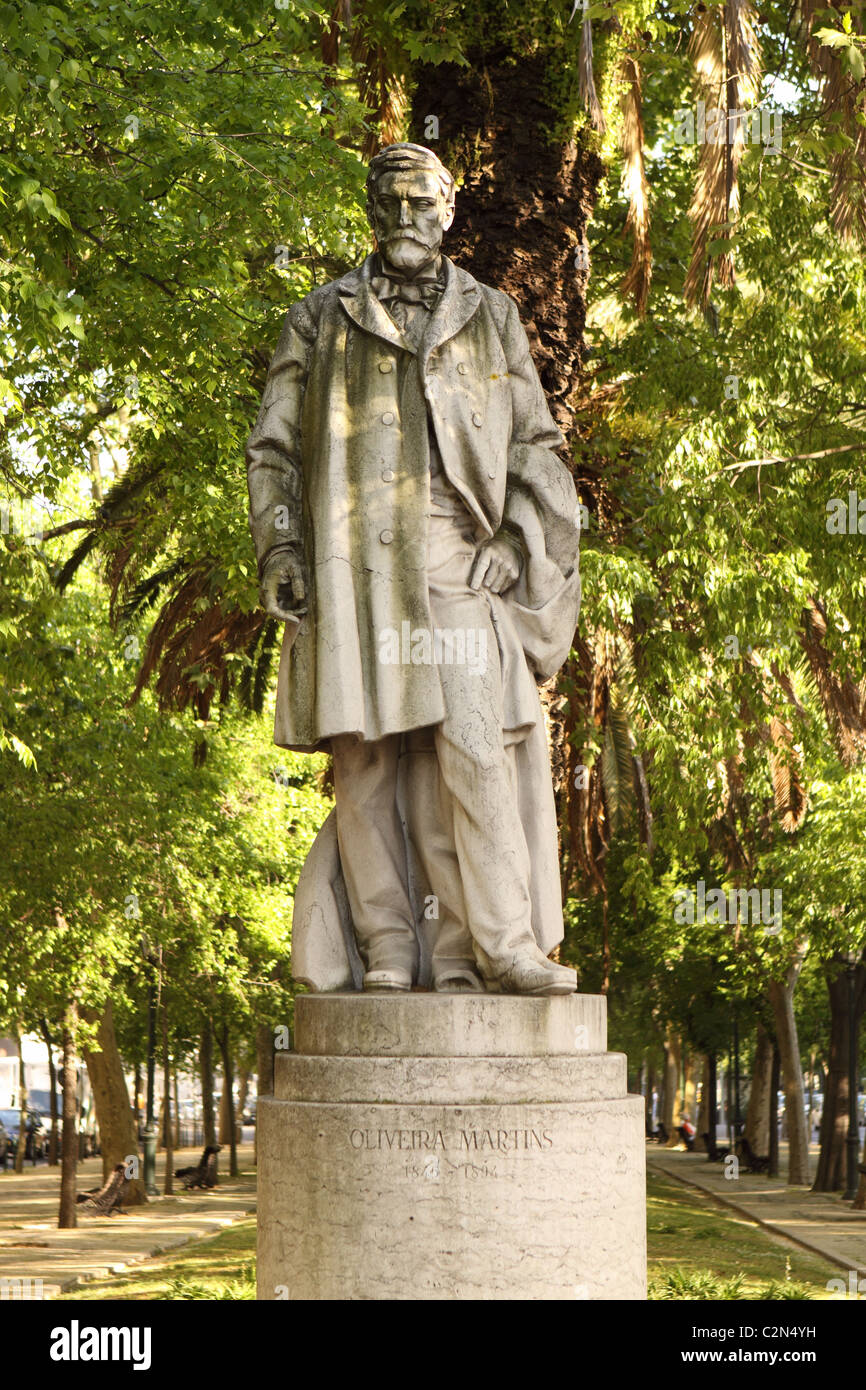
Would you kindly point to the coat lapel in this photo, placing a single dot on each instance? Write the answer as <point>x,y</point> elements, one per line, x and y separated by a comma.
<point>362,306</point>
<point>459,301</point>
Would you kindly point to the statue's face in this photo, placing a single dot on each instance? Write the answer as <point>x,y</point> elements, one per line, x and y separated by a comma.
<point>409,216</point>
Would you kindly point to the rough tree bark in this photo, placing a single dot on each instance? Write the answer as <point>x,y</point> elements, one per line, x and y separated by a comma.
<point>702,1124</point>
<point>781,994</point>
<point>831,1172</point>
<point>21,1147</point>
<point>691,1067</point>
<point>228,1097</point>
<point>525,199</point>
<point>69,1148</point>
<point>860,1199</point>
<point>54,1139</point>
<point>528,189</point>
<point>168,1187</point>
<point>206,1069</point>
<point>757,1129</point>
<point>223,1130</point>
<point>671,1084</point>
<point>117,1128</point>
<point>176,1092</point>
<point>648,1100</point>
<point>772,1112</point>
<point>265,1068</point>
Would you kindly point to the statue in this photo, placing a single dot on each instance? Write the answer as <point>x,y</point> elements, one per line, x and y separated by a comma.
<point>418,537</point>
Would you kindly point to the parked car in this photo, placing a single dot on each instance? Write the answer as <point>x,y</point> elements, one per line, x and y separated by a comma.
<point>35,1133</point>
<point>6,1145</point>
<point>249,1115</point>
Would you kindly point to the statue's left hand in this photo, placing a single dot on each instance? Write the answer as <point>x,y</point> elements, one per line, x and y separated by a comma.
<point>497,566</point>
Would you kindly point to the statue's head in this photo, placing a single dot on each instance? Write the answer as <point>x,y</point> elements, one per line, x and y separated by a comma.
<point>410,204</point>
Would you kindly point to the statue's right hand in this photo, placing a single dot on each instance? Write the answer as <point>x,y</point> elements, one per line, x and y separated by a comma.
<point>283,588</point>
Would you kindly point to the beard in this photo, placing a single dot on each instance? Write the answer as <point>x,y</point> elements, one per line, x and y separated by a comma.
<point>407,251</point>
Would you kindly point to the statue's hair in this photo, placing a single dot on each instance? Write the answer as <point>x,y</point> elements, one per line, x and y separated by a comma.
<point>398,157</point>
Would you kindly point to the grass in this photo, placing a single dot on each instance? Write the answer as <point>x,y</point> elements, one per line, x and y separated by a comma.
<point>696,1249</point>
<point>219,1268</point>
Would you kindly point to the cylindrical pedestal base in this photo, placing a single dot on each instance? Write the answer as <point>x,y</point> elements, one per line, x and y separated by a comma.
<point>514,1172</point>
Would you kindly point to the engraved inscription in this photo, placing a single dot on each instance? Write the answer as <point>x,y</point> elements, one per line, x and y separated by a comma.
<point>501,1141</point>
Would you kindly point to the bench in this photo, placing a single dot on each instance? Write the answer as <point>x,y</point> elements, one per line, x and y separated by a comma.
<point>204,1174</point>
<point>108,1199</point>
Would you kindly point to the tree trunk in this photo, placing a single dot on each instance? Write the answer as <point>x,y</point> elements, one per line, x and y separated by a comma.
<point>68,1215</point>
<point>831,1175</point>
<point>53,1142</point>
<point>176,1106</point>
<point>224,1121</point>
<point>137,1085</point>
<point>117,1128</point>
<point>265,1068</point>
<point>504,126</point>
<point>672,1081</point>
<point>757,1129</point>
<point>168,1187</point>
<point>713,1096</point>
<point>528,191</point>
<point>860,1199</point>
<point>773,1112</point>
<point>228,1099</point>
<point>782,999</point>
<point>648,1103</point>
<point>243,1088</point>
<point>702,1124</point>
<point>265,1059</point>
<point>206,1068</point>
<point>21,1147</point>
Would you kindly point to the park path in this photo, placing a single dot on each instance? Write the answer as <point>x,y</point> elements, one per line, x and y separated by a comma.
<point>31,1246</point>
<point>821,1222</point>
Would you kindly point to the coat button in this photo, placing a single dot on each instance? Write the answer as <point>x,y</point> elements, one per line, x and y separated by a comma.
<point>462,368</point>
<point>386,537</point>
<point>477,419</point>
<point>387,475</point>
<point>492,473</point>
<point>388,418</point>
<point>386,366</point>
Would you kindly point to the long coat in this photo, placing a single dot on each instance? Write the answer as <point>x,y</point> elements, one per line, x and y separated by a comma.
<point>339,468</point>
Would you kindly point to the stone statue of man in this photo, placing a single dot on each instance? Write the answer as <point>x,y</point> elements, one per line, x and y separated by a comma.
<point>418,537</point>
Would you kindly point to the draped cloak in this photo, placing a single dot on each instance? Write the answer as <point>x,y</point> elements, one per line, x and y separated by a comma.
<point>338,469</point>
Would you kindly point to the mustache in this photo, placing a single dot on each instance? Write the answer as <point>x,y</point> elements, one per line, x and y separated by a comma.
<point>402,235</point>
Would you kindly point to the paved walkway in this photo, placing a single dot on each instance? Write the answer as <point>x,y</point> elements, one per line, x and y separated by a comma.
<point>31,1246</point>
<point>821,1222</point>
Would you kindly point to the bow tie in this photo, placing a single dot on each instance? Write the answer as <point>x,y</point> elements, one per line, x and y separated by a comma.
<point>425,290</point>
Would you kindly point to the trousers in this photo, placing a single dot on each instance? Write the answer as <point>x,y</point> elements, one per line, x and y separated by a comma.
<point>465,824</point>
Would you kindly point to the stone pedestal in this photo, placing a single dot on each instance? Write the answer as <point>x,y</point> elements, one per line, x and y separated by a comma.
<point>430,1146</point>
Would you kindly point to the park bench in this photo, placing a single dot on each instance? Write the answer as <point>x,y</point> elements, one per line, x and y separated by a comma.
<point>715,1154</point>
<point>108,1199</point>
<point>754,1162</point>
<point>204,1174</point>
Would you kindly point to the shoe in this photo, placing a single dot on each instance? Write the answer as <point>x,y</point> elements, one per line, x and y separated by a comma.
<point>457,980</point>
<point>534,976</point>
<point>390,981</point>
